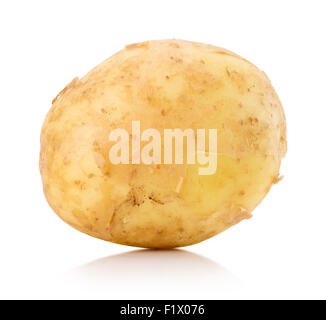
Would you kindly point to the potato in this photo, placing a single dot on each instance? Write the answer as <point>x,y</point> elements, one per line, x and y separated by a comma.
<point>162,84</point>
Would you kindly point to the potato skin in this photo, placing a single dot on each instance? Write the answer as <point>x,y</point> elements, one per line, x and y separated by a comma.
<point>164,84</point>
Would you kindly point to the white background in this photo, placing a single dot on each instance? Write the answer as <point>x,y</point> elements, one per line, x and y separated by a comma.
<point>279,253</point>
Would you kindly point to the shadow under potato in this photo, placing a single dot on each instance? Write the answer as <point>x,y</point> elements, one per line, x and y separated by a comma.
<point>175,271</point>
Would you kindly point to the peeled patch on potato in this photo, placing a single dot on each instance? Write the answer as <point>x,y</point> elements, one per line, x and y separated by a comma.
<point>164,84</point>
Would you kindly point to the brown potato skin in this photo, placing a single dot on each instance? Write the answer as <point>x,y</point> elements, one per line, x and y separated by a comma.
<point>164,84</point>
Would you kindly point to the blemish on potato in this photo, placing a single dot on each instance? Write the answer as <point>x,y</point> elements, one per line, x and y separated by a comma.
<point>100,161</point>
<point>277,179</point>
<point>133,173</point>
<point>253,121</point>
<point>174,45</point>
<point>155,199</point>
<point>137,45</point>
<point>72,84</point>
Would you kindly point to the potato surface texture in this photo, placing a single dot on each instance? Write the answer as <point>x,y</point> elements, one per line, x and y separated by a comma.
<point>163,84</point>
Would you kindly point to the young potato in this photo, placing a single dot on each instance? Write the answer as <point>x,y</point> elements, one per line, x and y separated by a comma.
<point>163,84</point>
